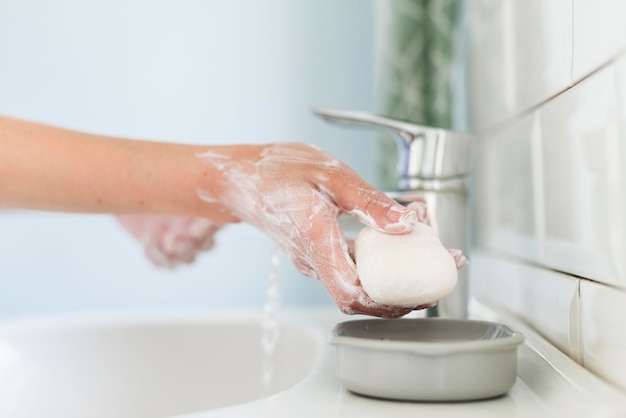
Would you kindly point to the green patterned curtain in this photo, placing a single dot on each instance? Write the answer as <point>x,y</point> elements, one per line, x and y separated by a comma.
<point>416,56</point>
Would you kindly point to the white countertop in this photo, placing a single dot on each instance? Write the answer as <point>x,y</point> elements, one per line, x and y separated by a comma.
<point>148,363</point>
<point>548,383</point>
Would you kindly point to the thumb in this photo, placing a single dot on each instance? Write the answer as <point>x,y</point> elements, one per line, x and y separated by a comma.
<point>369,205</point>
<point>377,210</point>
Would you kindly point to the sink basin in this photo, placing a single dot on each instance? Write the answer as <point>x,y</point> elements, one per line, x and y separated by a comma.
<point>144,366</point>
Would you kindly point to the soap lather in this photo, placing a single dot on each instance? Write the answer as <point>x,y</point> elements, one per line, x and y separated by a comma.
<point>433,164</point>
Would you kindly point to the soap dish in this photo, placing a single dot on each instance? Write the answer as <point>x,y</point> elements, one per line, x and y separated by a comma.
<point>426,359</point>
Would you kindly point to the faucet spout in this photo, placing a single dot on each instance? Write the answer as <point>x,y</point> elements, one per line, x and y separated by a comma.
<point>425,153</point>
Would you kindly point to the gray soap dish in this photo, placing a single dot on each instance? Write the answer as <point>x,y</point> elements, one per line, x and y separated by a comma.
<point>426,359</point>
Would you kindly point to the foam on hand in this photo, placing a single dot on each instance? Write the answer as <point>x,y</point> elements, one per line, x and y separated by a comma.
<point>404,270</point>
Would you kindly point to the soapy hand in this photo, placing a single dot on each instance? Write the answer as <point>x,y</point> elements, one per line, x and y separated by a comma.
<point>171,240</point>
<point>295,193</point>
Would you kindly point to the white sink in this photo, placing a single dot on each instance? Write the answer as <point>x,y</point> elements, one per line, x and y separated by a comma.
<point>143,366</point>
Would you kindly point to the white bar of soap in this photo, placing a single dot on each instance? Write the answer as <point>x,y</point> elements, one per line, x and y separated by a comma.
<point>404,270</point>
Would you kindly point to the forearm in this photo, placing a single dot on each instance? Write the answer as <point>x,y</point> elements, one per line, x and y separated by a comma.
<point>48,168</point>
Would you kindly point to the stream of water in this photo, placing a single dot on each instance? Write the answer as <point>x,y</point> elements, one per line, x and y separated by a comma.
<point>270,330</point>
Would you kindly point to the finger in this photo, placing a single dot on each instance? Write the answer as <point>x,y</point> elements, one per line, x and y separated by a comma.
<point>157,257</point>
<point>369,205</point>
<point>329,258</point>
<point>420,207</point>
<point>369,307</point>
<point>365,305</point>
<point>350,242</point>
<point>336,270</point>
<point>459,258</point>
<point>426,306</point>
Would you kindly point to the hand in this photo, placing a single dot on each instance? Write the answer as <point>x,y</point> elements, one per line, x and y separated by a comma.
<point>295,193</point>
<point>171,240</point>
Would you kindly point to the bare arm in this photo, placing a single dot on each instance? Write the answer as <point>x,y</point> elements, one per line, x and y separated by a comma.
<point>49,168</point>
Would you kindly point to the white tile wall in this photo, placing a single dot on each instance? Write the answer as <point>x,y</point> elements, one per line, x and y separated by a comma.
<point>509,214</point>
<point>545,299</point>
<point>599,33</point>
<point>521,53</point>
<point>603,326</point>
<point>584,182</point>
<point>549,106</point>
<point>552,182</point>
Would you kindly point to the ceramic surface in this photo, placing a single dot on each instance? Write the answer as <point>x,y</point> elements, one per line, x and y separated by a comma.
<point>599,34</point>
<point>130,366</point>
<point>507,206</point>
<point>521,54</point>
<point>547,300</point>
<point>603,321</point>
<point>551,170</point>
<point>549,184</point>
<point>548,382</point>
<point>583,158</point>
<point>466,359</point>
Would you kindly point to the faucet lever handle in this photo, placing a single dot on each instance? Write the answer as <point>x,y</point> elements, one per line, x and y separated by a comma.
<point>423,152</point>
<point>407,131</point>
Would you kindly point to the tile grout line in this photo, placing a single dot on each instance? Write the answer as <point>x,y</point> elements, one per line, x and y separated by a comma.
<point>579,325</point>
<point>511,257</point>
<point>503,124</point>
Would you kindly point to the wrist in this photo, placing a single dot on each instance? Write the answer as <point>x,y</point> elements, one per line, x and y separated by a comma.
<point>215,182</point>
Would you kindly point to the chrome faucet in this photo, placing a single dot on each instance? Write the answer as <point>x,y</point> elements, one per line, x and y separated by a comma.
<point>434,164</point>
